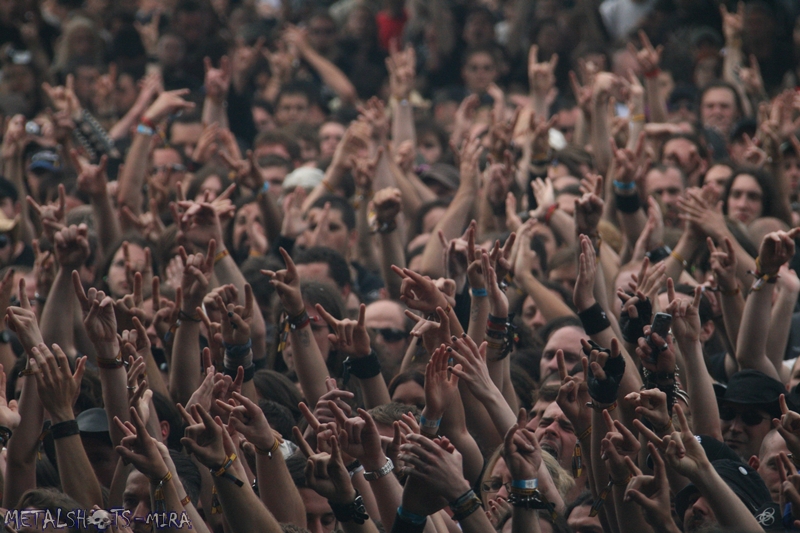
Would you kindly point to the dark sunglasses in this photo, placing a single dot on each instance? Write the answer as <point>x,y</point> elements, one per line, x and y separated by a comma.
<point>494,486</point>
<point>750,418</point>
<point>391,334</point>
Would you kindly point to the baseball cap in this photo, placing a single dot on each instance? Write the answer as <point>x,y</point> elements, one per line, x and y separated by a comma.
<point>745,483</point>
<point>93,420</point>
<point>45,160</point>
<point>306,177</point>
<point>8,189</point>
<point>751,387</point>
<point>443,174</point>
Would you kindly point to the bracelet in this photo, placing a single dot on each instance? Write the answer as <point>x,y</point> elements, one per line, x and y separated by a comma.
<point>465,505</point>
<point>299,321</point>
<point>354,468</point>
<point>237,351</point>
<point>599,407</point>
<point>679,258</point>
<point>145,130</point>
<point>147,122</point>
<point>623,483</point>
<point>533,501</point>
<point>183,315</point>
<point>249,371</point>
<point>732,292</point>
<point>624,185</point>
<point>385,470</point>
<point>361,367</point>
<point>5,435</point>
<point>638,118</point>
<point>275,445</point>
<point>549,213</point>
<point>478,293</point>
<point>223,471</point>
<point>327,185</point>
<point>525,484</point>
<point>186,501</point>
<point>109,363</point>
<point>650,74</point>
<point>350,512</point>
<point>433,425</point>
<point>594,319</point>
<point>64,429</point>
<point>664,428</point>
<point>222,254</point>
<point>410,517</point>
<point>158,495</point>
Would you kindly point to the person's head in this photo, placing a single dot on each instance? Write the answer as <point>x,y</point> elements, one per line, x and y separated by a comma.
<point>96,440</point>
<point>666,184</point>
<point>391,333</point>
<point>532,314</point>
<point>746,410</point>
<point>579,517</point>
<point>263,115</point>
<point>750,194</point>
<point>168,168</point>
<point>688,153</point>
<point>479,70</point>
<point>479,27</point>
<point>790,166</point>
<point>340,218</point>
<point>276,143</point>
<point>114,278</point>
<point>565,334</point>
<point>211,179</point>
<point>45,499</point>
<point>319,515</point>
<point>321,31</point>
<point>556,435</point>
<point>563,268</point>
<point>274,170</point>
<point>766,462</point>
<point>171,51</point>
<point>325,265</point>
<point>185,133</point>
<point>8,198</point>
<point>717,177</point>
<point>169,421</point>
<point>546,395</point>
<point>292,105</point>
<point>306,136</point>
<point>330,133</point>
<point>408,388</point>
<point>431,141</point>
<point>720,107</point>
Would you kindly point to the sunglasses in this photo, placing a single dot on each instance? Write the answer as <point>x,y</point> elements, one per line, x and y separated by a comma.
<point>174,167</point>
<point>750,418</point>
<point>391,334</point>
<point>494,486</point>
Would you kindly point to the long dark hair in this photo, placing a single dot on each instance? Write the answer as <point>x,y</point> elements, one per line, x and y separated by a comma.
<point>771,204</point>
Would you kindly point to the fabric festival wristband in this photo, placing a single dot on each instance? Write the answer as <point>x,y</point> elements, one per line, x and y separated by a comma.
<point>624,186</point>
<point>432,425</point>
<point>479,292</point>
<point>413,518</point>
<point>527,484</point>
<point>594,319</point>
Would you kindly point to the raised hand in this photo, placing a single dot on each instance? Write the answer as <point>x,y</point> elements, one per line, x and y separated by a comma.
<point>776,249</point>
<point>652,404</point>
<point>573,396</point>
<point>541,76</point>
<point>684,454</point>
<point>521,450</point>
<point>651,493</point>
<point>618,444</point>
<point>659,359</point>
<point>419,292</point>
<point>98,317</point>
<point>431,332</point>
<point>649,57</point>
<point>22,321</point>
<point>138,448</point>
<point>789,427</point>
<point>248,419</point>
<point>387,204</point>
<point>130,306</point>
<point>53,216</point>
<point>471,367</point>
<point>589,210</point>
<point>58,387</point>
<point>441,385</point>
<point>237,320</point>
<point>606,368</point>
<point>723,264</point>
<point>732,24</point>
<point>196,276</point>
<point>167,103</point>
<point>92,179</point>
<point>328,476</point>
<point>583,294</point>
<point>200,223</point>
<point>217,80</point>
<point>348,335</point>
<point>685,315</point>
<point>437,465</point>
<point>203,436</point>
<point>287,285</point>
<point>401,66</point>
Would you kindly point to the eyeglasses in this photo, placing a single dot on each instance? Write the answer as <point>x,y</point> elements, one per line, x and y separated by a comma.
<point>494,486</point>
<point>391,334</point>
<point>749,417</point>
<point>174,167</point>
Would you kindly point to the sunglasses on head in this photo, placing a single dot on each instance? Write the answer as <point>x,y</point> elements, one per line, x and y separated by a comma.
<point>749,417</point>
<point>392,334</point>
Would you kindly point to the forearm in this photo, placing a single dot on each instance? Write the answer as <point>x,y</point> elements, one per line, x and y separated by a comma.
<point>131,179</point>
<point>331,76</point>
<point>15,172</point>
<point>402,123</point>
<point>242,509</point>
<point>374,391</point>
<point>752,341</point>
<point>656,101</point>
<point>600,133</point>
<point>309,364</point>
<point>631,519</point>
<point>388,493</point>
<point>365,251</point>
<point>412,199</point>
<point>122,128</point>
<point>563,225</point>
<point>550,305</point>
<point>478,522</point>
<point>106,221</point>
<point>780,326</point>
<point>391,253</point>
<point>20,474</point>
<point>683,251</point>
<point>730,511</point>
<point>215,112</point>
<point>599,470</point>
<point>478,315</point>
<point>226,272</point>
<point>57,315</point>
<point>732,311</point>
<point>333,176</point>
<point>700,387</point>
<point>451,224</point>
<point>77,477</point>
<point>277,490</point>
<point>454,427</point>
<point>184,370</point>
<point>503,417</point>
<point>272,216</point>
<point>632,226</point>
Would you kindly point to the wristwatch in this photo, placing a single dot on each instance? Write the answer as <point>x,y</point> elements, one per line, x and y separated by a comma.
<point>385,470</point>
<point>5,337</point>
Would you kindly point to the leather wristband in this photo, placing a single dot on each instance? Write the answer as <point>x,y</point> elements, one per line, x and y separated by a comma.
<point>350,512</point>
<point>64,429</point>
<point>627,203</point>
<point>362,367</point>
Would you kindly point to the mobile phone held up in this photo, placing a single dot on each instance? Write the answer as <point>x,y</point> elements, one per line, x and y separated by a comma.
<point>661,325</point>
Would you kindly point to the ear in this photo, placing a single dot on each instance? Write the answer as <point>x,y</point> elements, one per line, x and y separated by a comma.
<point>164,425</point>
<point>707,330</point>
<point>754,462</point>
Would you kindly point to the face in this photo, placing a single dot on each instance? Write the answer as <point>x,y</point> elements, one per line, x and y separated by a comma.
<point>410,393</point>
<point>556,435</point>
<point>213,186</point>
<point>318,272</point>
<point>321,34</point>
<point>478,30</point>
<point>566,121</point>
<point>291,109</point>
<point>767,463</point>
<point>536,414</point>
<point>186,135</point>
<point>429,148</point>
<point>743,438</point>
<point>387,320</point>
<point>102,457</point>
<point>167,165</point>
<point>531,315</point>
<point>745,200</point>
<point>263,120</point>
<point>126,93</point>
<point>567,339</point>
<point>330,134</point>
<point>718,110</point>
<point>565,275</point>
<point>338,237</point>
<point>717,178</point>
<point>791,171</point>
<point>479,72</point>
<point>319,516</point>
<point>699,516</point>
<point>117,280</point>
<point>246,219</point>
<point>8,208</point>
<point>85,79</point>
<point>136,499</point>
<point>666,186</point>
<point>494,486</point>
<point>580,521</point>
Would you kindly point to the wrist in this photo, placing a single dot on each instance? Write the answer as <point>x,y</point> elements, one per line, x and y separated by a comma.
<point>373,463</point>
<point>56,417</point>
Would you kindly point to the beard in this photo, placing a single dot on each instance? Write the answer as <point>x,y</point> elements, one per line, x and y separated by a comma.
<point>550,449</point>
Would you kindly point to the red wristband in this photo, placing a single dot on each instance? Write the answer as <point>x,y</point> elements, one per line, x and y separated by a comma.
<point>147,122</point>
<point>652,73</point>
<point>549,214</point>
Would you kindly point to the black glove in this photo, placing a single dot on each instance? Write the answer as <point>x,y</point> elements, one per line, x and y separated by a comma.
<point>633,328</point>
<point>605,391</point>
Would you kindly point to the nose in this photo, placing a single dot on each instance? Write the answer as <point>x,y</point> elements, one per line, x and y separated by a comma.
<point>552,366</point>
<point>737,426</point>
<point>142,510</point>
<point>315,525</point>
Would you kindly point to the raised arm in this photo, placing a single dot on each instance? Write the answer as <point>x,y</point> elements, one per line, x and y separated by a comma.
<point>401,65</point>
<point>649,58</point>
<point>93,180</point>
<point>331,74</point>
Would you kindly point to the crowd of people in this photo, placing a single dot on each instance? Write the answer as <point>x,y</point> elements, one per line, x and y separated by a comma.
<point>509,266</point>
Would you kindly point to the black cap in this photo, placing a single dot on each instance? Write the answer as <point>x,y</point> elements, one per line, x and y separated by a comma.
<point>751,387</point>
<point>93,420</point>
<point>442,173</point>
<point>8,190</point>
<point>683,93</point>
<point>743,480</point>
